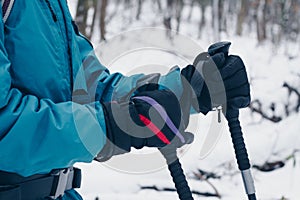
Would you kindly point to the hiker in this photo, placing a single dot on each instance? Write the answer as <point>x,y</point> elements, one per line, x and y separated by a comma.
<point>59,105</point>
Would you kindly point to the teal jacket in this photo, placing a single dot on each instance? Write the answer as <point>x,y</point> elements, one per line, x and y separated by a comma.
<point>50,86</point>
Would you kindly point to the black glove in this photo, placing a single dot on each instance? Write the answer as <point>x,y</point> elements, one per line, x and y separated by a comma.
<point>151,118</point>
<point>218,79</point>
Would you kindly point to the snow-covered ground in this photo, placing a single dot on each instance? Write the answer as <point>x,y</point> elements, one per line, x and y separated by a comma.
<point>266,141</point>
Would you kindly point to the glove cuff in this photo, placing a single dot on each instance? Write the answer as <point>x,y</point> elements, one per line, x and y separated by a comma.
<point>114,146</point>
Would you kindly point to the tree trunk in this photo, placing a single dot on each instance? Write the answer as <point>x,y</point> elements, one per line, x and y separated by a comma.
<point>216,28</point>
<point>139,9</point>
<point>191,10</point>
<point>102,19</point>
<point>220,14</point>
<point>203,19</point>
<point>81,15</point>
<point>95,6</point>
<point>224,15</point>
<point>179,8</point>
<point>203,5</point>
<point>168,18</point>
<point>241,17</point>
<point>261,20</point>
<point>159,5</point>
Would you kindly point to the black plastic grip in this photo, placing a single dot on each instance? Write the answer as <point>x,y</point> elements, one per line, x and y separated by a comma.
<point>241,154</point>
<point>252,197</point>
<point>181,184</point>
<point>238,140</point>
<point>179,179</point>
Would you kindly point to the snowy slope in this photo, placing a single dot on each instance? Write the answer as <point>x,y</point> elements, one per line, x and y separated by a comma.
<point>266,141</point>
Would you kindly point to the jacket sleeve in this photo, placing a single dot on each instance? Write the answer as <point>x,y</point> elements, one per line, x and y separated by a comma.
<point>115,86</point>
<point>38,135</point>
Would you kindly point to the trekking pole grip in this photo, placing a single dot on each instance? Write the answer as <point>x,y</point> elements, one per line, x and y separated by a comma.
<point>241,152</point>
<point>176,171</point>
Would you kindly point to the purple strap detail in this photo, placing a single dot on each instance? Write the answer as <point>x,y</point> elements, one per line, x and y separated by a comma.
<point>163,114</point>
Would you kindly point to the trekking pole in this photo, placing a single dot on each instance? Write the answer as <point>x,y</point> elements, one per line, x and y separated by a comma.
<point>241,152</point>
<point>232,116</point>
<point>176,171</point>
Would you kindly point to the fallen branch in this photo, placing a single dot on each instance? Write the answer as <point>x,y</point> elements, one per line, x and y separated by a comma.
<point>207,175</point>
<point>166,189</point>
<point>271,166</point>
<point>294,90</point>
<point>201,177</point>
<point>258,109</point>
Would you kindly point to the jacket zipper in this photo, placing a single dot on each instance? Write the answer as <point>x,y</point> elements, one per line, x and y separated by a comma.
<point>71,68</point>
<point>55,19</point>
<point>51,10</point>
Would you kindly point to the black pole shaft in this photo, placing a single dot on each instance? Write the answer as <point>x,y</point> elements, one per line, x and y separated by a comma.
<point>241,152</point>
<point>179,179</point>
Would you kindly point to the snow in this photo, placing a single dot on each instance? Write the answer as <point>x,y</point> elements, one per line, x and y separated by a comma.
<point>266,141</point>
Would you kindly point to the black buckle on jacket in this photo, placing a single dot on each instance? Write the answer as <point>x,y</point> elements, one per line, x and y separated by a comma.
<point>63,181</point>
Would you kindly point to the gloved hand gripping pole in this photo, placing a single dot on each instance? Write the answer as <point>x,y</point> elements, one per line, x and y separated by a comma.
<point>169,151</point>
<point>232,116</point>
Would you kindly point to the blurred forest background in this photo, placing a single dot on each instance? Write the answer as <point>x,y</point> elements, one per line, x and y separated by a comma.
<point>276,21</point>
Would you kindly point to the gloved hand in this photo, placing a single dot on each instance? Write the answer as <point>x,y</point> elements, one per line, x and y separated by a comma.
<point>151,118</point>
<point>218,79</point>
